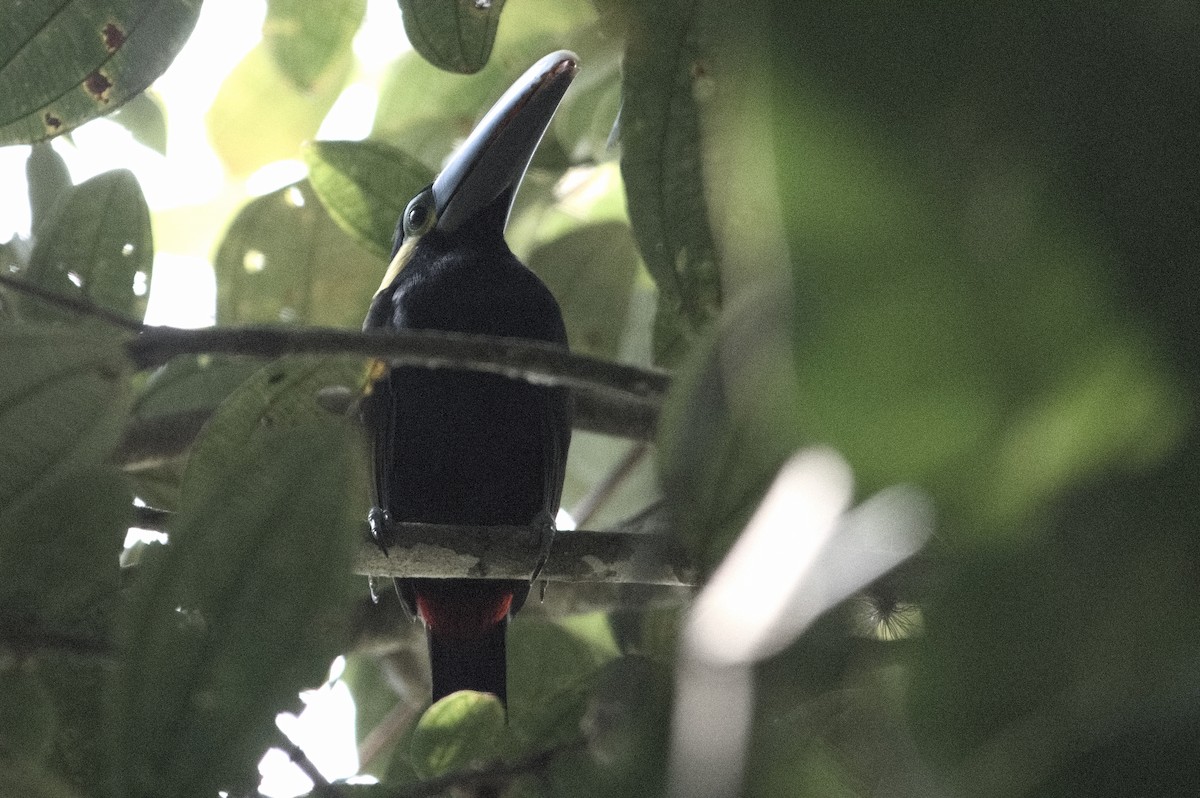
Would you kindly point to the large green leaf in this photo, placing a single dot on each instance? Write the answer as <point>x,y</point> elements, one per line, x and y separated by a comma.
<point>666,83</point>
<point>97,245</point>
<point>245,606</point>
<point>62,64</point>
<point>63,403</point>
<point>291,392</point>
<point>284,260</point>
<point>454,35</point>
<point>27,717</point>
<point>365,186</point>
<point>307,37</point>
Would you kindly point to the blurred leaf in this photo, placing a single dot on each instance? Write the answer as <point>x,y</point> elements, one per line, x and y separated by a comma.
<point>365,186</point>
<point>734,415</point>
<point>49,180</point>
<point>143,116</point>
<point>284,259</point>
<point>462,729</point>
<point>247,605</point>
<point>19,776</point>
<point>425,110</point>
<point>591,272</point>
<point>81,752</point>
<point>374,697</point>
<point>307,37</point>
<point>192,383</point>
<point>97,246</point>
<point>627,723</point>
<point>549,667</point>
<point>454,35</point>
<point>26,716</point>
<point>584,121</point>
<point>665,84</point>
<point>62,405</point>
<point>259,116</point>
<point>61,65</point>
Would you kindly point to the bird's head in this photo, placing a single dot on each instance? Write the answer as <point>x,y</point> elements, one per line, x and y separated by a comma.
<point>473,194</point>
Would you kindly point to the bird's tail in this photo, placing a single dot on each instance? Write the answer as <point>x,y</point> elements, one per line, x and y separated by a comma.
<point>470,663</point>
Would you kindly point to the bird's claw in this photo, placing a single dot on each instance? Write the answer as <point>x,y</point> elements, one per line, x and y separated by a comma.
<point>547,529</point>
<point>377,520</point>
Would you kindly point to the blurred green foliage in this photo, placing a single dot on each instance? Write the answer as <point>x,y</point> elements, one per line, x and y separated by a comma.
<point>955,242</point>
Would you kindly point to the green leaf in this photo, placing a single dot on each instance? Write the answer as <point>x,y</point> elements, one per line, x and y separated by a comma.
<point>307,37</point>
<point>454,35</point>
<point>49,180</point>
<point>591,271</point>
<point>463,729</point>
<point>192,384</point>
<point>288,393</point>
<point>63,403</point>
<point>662,160</point>
<point>285,260</point>
<point>143,116</point>
<point>96,246</point>
<point>259,116</point>
<point>63,64</point>
<point>365,186</point>
<point>245,606</point>
<point>81,749</point>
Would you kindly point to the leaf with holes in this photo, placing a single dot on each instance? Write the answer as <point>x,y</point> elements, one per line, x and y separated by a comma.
<point>365,186</point>
<point>284,260</point>
<point>62,64</point>
<point>63,404</point>
<point>96,246</point>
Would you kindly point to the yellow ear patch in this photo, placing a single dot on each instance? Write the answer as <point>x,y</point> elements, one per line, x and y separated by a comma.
<point>403,256</point>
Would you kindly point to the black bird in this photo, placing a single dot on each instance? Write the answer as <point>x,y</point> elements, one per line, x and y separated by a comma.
<point>461,447</point>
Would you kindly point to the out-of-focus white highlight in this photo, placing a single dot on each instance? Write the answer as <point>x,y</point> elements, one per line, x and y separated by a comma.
<point>324,730</point>
<point>275,176</point>
<point>563,522</point>
<point>351,116</point>
<point>801,554</point>
<point>753,588</point>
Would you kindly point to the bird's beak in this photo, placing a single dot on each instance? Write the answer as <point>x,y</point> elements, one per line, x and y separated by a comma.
<point>495,156</point>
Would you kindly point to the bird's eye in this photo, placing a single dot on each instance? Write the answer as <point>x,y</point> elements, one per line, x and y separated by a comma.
<point>418,216</point>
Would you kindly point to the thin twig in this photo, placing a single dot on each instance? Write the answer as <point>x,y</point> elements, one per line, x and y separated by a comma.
<point>321,785</point>
<point>74,304</point>
<point>386,732</point>
<point>587,507</point>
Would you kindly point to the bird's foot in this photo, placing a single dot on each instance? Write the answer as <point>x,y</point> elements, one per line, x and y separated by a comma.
<point>546,527</point>
<point>378,521</point>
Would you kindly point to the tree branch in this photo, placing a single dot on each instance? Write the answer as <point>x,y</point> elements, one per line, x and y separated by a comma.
<point>637,550</point>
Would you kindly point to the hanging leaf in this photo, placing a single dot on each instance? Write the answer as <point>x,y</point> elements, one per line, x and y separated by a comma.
<point>49,180</point>
<point>63,64</point>
<point>308,37</point>
<point>97,246</point>
<point>143,116</point>
<point>365,186</point>
<point>666,82</point>
<point>454,35</point>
